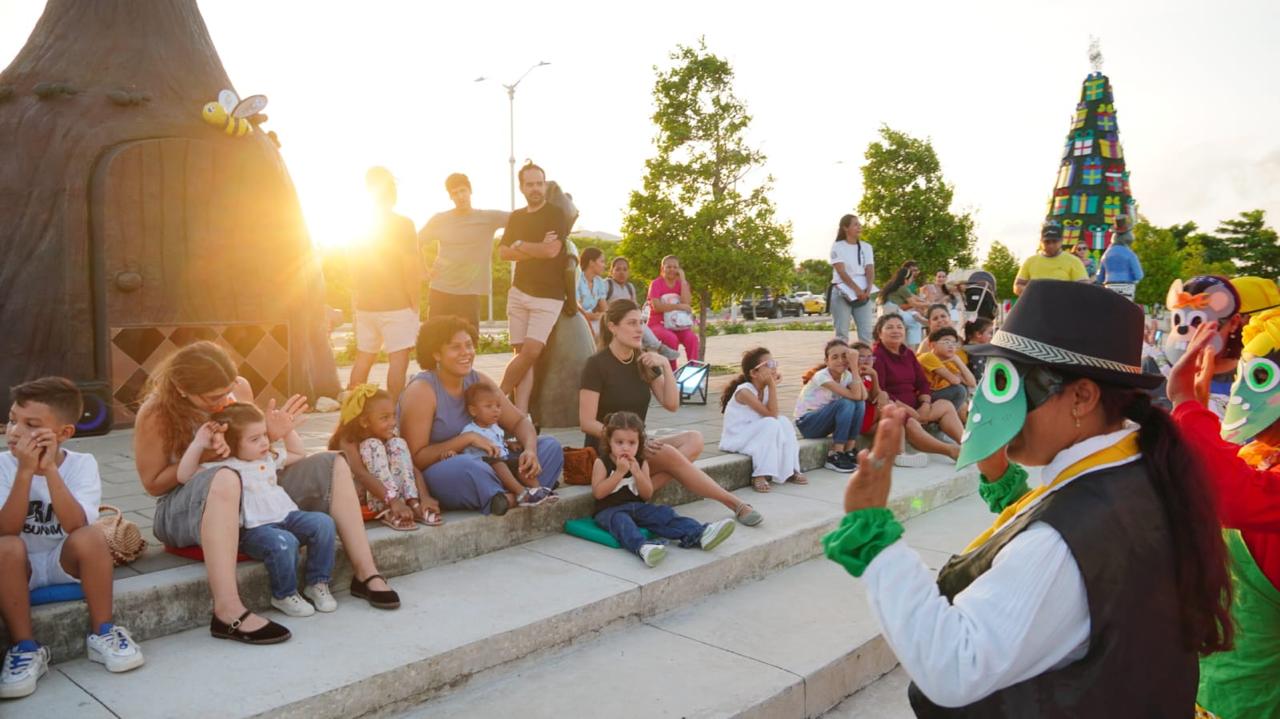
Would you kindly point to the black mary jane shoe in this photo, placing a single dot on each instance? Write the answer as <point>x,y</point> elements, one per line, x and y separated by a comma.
<point>272,633</point>
<point>387,599</point>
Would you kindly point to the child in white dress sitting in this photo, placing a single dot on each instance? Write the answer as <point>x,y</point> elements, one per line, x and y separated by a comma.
<point>273,526</point>
<point>753,425</point>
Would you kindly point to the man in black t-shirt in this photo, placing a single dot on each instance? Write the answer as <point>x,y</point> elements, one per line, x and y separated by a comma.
<point>535,241</point>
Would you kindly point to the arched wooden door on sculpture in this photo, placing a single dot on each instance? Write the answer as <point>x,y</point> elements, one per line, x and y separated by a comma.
<point>170,218</point>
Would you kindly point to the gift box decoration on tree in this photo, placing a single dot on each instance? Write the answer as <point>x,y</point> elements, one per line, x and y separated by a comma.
<point>1091,190</point>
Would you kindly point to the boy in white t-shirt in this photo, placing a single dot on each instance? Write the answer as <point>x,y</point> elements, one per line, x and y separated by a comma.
<point>48,503</point>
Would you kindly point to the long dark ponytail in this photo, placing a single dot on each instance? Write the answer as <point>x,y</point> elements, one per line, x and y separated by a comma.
<point>899,279</point>
<point>1181,483</point>
<point>750,360</point>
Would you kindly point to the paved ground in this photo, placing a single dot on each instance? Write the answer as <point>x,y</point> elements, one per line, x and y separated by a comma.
<point>795,351</point>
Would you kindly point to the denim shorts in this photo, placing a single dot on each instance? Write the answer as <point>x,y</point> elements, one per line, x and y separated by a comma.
<point>308,482</point>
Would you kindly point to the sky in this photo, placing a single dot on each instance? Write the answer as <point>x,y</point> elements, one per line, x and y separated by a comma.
<point>992,84</point>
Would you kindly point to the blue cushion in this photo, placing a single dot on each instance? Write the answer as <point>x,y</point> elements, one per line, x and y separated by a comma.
<point>56,593</point>
<point>586,528</point>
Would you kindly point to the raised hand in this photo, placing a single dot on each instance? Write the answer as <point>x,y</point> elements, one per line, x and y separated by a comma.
<point>1188,380</point>
<point>283,420</point>
<point>869,485</point>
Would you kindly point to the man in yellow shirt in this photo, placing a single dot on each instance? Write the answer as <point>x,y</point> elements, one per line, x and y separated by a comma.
<point>1052,263</point>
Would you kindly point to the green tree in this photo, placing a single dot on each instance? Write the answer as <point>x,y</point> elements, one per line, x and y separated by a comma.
<point>906,207</point>
<point>812,275</point>
<point>1250,244</point>
<point>1194,258</point>
<point>1157,250</point>
<point>1003,265</point>
<point>695,202</point>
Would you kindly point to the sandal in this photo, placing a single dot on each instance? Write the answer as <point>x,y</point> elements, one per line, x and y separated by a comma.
<point>389,520</point>
<point>430,518</point>
<point>798,478</point>
<point>760,484</point>
<point>746,514</point>
<point>386,599</point>
<point>272,633</point>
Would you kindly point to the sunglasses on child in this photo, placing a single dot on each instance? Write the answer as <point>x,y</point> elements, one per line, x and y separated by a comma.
<point>770,363</point>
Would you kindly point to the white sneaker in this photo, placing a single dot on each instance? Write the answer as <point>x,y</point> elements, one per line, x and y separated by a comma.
<point>116,649</point>
<point>321,597</point>
<point>652,554</point>
<point>294,605</point>
<point>21,671</point>
<point>914,460</point>
<point>715,533</point>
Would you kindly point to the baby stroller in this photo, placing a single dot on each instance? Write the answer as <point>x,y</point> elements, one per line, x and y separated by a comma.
<point>979,295</point>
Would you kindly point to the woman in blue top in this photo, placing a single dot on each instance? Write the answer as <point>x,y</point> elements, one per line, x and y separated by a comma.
<point>433,413</point>
<point>1120,269</point>
<point>593,290</point>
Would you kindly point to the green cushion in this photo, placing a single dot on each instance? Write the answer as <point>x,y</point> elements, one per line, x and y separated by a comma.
<point>586,528</point>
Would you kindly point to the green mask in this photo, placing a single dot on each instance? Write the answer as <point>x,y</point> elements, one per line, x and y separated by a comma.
<point>1007,393</point>
<point>998,411</point>
<point>1254,404</point>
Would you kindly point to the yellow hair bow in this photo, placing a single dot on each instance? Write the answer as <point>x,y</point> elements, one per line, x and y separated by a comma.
<point>353,404</point>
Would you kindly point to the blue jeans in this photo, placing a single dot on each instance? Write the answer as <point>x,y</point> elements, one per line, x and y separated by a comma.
<point>625,520</point>
<point>841,418</point>
<point>843,312</point>
<point>277,546</point>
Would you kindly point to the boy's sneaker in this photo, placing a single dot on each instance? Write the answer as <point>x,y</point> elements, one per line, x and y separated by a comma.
<point>22,668</point>
<point>115,649</point>
<point>911,460</point>
<point>715,533</point>
<point>537,495</point>
<point>652,554</point>
<point>320,597</point>
<point>293,605</point>
<point>839,462</point>
<point>851,456</point>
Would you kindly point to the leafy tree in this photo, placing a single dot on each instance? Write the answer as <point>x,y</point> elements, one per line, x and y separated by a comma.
<point>1194,258</point>
<point>1003,265</point>
<point>1157,250</point>
<point>906,207</point>
<point>694,202</point>
<point>812,275</point>
<point>1250,244</point>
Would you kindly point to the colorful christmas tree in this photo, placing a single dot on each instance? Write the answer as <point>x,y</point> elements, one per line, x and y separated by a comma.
<point>1092,190</point>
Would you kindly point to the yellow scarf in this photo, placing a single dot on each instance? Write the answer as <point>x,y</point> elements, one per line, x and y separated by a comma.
<point>353,403</point>
<point>1126,448</point>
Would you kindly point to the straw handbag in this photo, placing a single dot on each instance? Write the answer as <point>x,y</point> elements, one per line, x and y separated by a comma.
<point>124,539</point>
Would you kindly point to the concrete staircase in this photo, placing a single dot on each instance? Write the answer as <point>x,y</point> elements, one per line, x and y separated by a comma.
<point>758,627</point>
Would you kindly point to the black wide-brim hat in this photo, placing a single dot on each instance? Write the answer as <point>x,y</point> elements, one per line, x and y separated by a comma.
<point>1083,329</point>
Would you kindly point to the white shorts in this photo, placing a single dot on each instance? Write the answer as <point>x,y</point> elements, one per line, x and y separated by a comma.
<point>46,568</point>
<point>393,331</point>
<point>530,317</point>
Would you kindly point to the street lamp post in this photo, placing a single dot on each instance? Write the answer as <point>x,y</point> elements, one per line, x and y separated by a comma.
<point>511,158</point>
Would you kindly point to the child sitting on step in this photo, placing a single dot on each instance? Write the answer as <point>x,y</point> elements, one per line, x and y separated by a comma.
<point>380,461</point>
<point>484,405</point>
<point>273,527</point>
<point>622,488</point>
<point>753,425</point>
<point>48,504</point>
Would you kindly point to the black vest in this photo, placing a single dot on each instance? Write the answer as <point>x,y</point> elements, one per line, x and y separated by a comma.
<point>1137,664</point>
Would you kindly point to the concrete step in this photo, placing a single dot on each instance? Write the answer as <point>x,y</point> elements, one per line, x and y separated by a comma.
<point>885,698</point>
<point>172,600</point>
<point>793,644</point>
<point>461,619</point>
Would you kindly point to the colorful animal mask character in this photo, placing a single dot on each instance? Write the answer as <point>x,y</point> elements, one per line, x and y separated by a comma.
<point>1206,298</point>
<point>1255,403</point>
<point>1040,347</point>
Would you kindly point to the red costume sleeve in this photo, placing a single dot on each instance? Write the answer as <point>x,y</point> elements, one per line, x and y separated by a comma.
<point>1248,498</point>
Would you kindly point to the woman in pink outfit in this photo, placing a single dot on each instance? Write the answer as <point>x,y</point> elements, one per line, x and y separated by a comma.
<point>670,292</point>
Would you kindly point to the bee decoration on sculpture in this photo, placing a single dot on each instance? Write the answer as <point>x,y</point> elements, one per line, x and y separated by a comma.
<point>236,117</point>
